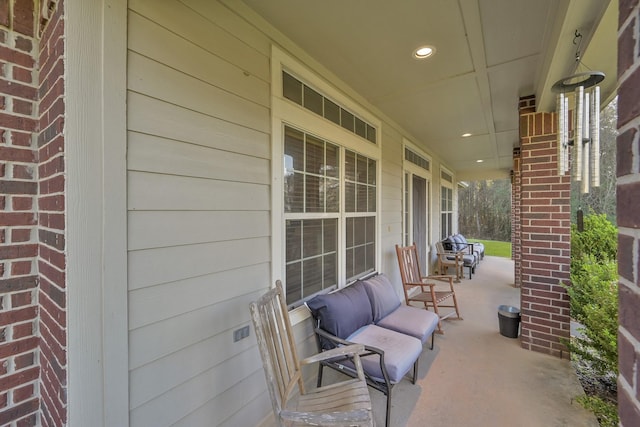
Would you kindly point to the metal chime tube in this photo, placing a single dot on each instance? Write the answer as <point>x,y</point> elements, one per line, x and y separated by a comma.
<point>586,153</point>
<point>577,133</point>
<point>566,133</point>
<point>595,137</point>
<point>560,131</point>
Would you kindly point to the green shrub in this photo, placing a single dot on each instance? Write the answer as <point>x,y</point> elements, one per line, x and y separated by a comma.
<point>594,304</point>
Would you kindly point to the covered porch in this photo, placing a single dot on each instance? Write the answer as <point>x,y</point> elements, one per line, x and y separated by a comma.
<point>477,377</point>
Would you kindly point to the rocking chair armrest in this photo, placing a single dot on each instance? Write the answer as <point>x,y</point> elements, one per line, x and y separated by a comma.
<point>341,342</point>
<point>423,286</point>
<point>347,350</point>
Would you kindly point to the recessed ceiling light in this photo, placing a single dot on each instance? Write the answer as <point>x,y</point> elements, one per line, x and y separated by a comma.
<point>465,135</point>
<point>424,52</point>
<point>479,161</point>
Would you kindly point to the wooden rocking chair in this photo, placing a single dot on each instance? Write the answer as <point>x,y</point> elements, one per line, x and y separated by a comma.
<point>342,404</point>
<point>424,289</point>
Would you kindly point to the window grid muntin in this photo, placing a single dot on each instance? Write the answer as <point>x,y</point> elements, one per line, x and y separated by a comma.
<point>366,131</point>
<point>363,254</point>
<point>417,159</point>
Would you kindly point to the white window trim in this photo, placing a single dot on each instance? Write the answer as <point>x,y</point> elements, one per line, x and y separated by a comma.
<point>454,199</point>
<point>284,111</point>
<point>409,167</point>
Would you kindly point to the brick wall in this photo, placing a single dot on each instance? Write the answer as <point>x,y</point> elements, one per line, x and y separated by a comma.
<point>628,197</point>
<point>545,234</point>
<point>51,221</point>
<point>516,189</point>
<point>32,260</point>
<point>19,368</point>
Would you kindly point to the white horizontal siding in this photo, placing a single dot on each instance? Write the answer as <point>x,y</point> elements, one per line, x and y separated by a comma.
<point>198,160</point>
<point>153,154</point>
<point>206,33</point>
<point>150,191</point>
<point>154,117</point>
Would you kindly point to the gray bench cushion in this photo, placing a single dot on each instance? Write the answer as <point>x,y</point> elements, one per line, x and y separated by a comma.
<point>342,312</point>
<point>417,322</point>
<point>400,351</point>
<point>383,297</point>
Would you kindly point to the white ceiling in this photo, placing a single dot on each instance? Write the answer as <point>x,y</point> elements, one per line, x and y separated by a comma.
<point>489,53</point>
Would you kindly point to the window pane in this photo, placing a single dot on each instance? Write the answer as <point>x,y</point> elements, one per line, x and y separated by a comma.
<point>360,260</point>
<point>331,111</point>
<point>330,268</point>
<point>359,230</point>
<point>361,128</point>
<point>350,263</point>
<point>312,238</point>
<point>361,168</point>
<point>332,169</point>
<point>350,165</point>
<point>330,230</point>
<point>311,276</point>
<point>346,119</point>
<point>294,282</point>
<point>332,194</point>
<point>372,200</point>
<point>349,236</point>
<point>294,192</point>
<point>370,261</point>
<point>294,234</point>
<point>293,149</point>
<point>312,100</point>
<point>443,223</point>
<point>372,172</point>
<point>291,88</point>
<point>371,134</point>
<point>314,201</point>
<point>315,155</point>
<point>350,197</point>
<point>362,197</point>
<point>371,229</point>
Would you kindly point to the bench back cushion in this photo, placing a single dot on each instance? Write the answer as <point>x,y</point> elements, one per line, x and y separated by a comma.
<point>448,244</point>
<point>343,312</point>
<point>384,299</point>
<point>458,242</point>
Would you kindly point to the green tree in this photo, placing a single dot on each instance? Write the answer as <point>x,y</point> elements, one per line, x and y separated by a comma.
<point>484,210</point>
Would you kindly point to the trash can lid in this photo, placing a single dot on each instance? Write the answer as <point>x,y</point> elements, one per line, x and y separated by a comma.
<point>509,311</point>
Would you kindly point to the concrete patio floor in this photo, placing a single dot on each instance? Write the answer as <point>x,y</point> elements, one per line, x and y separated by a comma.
<point>477,377</point>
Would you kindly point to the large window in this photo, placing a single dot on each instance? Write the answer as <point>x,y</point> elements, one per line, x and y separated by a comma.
<point>330,203</point>
<point>446,204</point>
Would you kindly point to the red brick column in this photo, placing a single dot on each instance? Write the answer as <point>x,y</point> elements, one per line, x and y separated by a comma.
<point>628,204</point>
<point>19,369</point>
<point>546,232</point>
<point>516,220</point>
<point>51,220</point>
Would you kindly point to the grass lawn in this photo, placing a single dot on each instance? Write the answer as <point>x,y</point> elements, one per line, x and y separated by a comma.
<point>495,248</point>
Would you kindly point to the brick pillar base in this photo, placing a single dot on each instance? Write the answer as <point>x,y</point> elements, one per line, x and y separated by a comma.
<point>545,234</point>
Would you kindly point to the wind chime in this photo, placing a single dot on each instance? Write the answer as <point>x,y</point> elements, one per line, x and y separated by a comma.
<point>578,112</point>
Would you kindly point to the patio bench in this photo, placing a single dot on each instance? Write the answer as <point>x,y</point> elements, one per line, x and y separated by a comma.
<point>369,312</point>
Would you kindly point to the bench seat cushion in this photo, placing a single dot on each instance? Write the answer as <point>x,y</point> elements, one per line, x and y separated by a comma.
<point>400,351</point>
<point>417,322</point>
